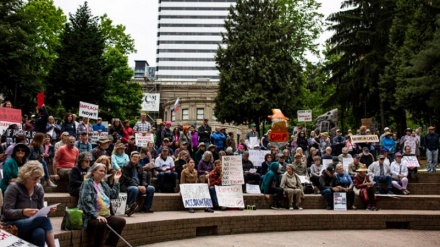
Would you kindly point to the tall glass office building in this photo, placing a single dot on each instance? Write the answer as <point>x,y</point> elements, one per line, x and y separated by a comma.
<point>188,37</point>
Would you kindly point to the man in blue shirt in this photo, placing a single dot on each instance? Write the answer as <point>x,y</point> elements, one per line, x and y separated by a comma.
<point>98,126</point>
<point>432,144</point>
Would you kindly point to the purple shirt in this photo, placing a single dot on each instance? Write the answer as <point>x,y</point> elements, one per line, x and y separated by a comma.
<point>195,139</point>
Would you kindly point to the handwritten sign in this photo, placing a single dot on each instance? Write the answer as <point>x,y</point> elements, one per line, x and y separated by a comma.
<point>119,204</point>
<point>253,141</point>
<point>142,140</point>
<point>346,162</point>
<point>9,240</point>
<point>304,179</point>
<point>195,196</point>
<point>412,142</point>
<point>364,138</point>
<point>326,162</point>
<point>340,201</point>
<point>304,115</point>
<point>88,110</point>
<point>257,156</point>
<point>94,136</point>
<point>232,170</point>
<point>10,136</point>
<point>230,196</point>
<point>9,116</point>
<point>411,161</point>
<point>253,189</point>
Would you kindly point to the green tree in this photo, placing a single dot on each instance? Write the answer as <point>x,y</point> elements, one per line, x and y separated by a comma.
<point>257,69</point>
<point>80,72</point>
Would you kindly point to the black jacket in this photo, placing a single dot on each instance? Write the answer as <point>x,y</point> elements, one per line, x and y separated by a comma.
<point>326,182</point>
<point>41,122</point>
<point>127,173</point>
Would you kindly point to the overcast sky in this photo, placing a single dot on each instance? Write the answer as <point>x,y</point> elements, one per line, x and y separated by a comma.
<point>140,19</point>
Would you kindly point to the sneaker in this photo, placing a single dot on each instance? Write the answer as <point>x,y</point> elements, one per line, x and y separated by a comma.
<point>274,207</point>
<point>298,208</point>
<point>353,208</point>
<point>377,192</point>
<point>191,210</point>
<point>404,192</point>
<point>407,192</point>
<point>369,207</point>
<point>51,184</point>
<point>209,210</point>
<point>390,192</point>
<point>147,210</point>
<point>290,208</point>
<point>130,210</point>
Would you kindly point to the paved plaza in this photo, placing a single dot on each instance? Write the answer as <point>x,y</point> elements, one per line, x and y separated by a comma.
<point>368,238</point>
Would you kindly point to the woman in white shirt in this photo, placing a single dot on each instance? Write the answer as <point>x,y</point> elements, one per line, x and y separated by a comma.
<point>399,173</point>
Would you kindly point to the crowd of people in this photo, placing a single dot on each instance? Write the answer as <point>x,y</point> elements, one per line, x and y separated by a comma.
<point>97,172</point>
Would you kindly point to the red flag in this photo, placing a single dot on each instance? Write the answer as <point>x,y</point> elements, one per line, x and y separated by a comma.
<point>40,99</point>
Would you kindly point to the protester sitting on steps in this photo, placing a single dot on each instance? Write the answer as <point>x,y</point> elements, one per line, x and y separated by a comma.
<point>327,185</point>
<point>365,187</point>
<point>189,176</point>
<point>291,184</point>
<point>78,173</point>
<point>381,173</point>
<point>267,189</point>
<point>345,184</point>
<point>399,173</point>
<point>215,178</point>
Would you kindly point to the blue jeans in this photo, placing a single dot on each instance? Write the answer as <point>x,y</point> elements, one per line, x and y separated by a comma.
<point>384,179</point>
<point>133,192</point>
<point>328,195</point>
<point>33,230</point>
<point>213,195</point>
<point>432,157</point>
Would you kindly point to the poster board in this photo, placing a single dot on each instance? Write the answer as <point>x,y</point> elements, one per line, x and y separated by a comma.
<point>232,169</point>
<point>120,204</point>
<point>88,110</point>
<point>411,161</point>
<point>10,136</point>
<point>9,240</point>
<point>94,136</point>
<point>230,196</point>
<point>304,115</point>
<point>326,162</point>
<point>257,156</point>
<point>195,196</point>
<point>346,162</point>
<point>9,116</point>
<point>412,142</point>
<point>340,201</point>
<point>142,140</point>
<point>253,189</point>
<point>364,138</point>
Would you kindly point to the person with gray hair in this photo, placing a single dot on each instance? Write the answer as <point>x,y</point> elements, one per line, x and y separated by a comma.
<point>206,165</point>
<point>94,201</point>
<point>78,172</point>
<point>19,207</point>
<point>291,184</point>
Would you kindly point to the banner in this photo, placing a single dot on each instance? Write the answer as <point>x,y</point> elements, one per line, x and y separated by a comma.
<point>257,156</point>
<point>195,196</point>
<point>364,138</point>
<point>340,201</point>
<point>411,161</point>
<point>304,115</point>
<point>232,169</point>
<point>150,102</point>
<point>10,136</point>
<point>253,189</point>
<point>88,110</point>
<point>119,204</point>
<point>230,196</point>
<point>94,136</point>
<point>9,116</point>
<point>9,240</point>
<point>142,140</point>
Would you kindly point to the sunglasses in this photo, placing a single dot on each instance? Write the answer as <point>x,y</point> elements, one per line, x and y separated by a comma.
<point>21,150</point>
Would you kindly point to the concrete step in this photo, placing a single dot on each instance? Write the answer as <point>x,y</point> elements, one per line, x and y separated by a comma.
<point>183,225</point>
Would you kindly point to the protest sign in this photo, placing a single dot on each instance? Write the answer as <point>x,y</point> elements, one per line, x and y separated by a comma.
<point>364,138</point>
<point>9,116</point>
<point>40,99</point>
<point>412,142</point>
<point>253,141</point>
<point>411,161</point>
<point>340,201</point>
<point>326,162</point>
<point>346,162</point>
<point>304,179</point>
<point>150,102</point>
<point>230,196</point>
<point>304,115</point>
<point>142,140</point>
<point>88,110</point>
<point>94,136</point>
<point>119,204</point>
<point>367,122</point>
<point>257,156</point>
<point>10,136</point>
<point>9,240</point>
<point>232,170</point>
<point>195,196</point>
<point>253,189</point>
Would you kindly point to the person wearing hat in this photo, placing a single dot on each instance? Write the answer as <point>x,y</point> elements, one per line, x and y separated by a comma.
<point>385,130</point>
<point>166,144</point>
<point>131,146</point>
<point>252,138</point>
<point>166,132</point>
<point>199,153</point>
<point>83,144</point>
<point>363,185</point>
<point>119,158</point>
<point>271,177</point>
<point>327,185</point>
<point>344,155</point>
<point>381,174</point>
<point>134,183</point>
<point>204,132</point>
<point>366,157</point>
<point>213,149</point>
<point>102,148</point>
<point>282,163</point>
<point>218,139</point>
<point>20,138</point>
<point>432,145</point>
<point>399,173</point>
<point>166,171</point>
<point>388,143</point>
<point>299,166</point>
<point>354,166</point>
<point>65,159</point>
<point>338,142</point>
<point>76,176</point>
<point>20,152</point>
<point>98,126</point>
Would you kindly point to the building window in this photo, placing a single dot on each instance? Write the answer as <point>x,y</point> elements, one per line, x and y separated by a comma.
<point>185,114</point>
<point>173,116</point>
<point>200,113</point>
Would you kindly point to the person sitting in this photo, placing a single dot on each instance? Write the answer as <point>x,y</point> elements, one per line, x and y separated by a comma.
<point>119,158</point>
<point>147,163</point>
<point>199,153</point>
<point>291,184</point>
<point>205,166</point>
<point>300,167</point>
<point>19,207</point>
<point>102,148</point>
<point>250,174</point>
<point>381,174</point>
<point>104,159</point>
<point>313,154</point>
<point>213,149</point>
<point>133,182</point>
<point>83,143</point>
<point>327,154</point>
<point>300,151</point>
<point>166,171</point>
<point>366,157</point>
<point>411,170</point>
<point>11,166</point>
<point>315,173</point>
<point>287,156</point>
<point>37,153</point>
<point>399,173</point>
<point>181,161</point>
<point>283,166</point>
<point>354,166</point>
<point>215,179</point>
<point>344,155</point>
<point>183,146</point>
<point>65,159</point>
<point>345,184</point>
<point>94,201</point>
<point>364,186</point>
<point>78,173</point>
<point>264,168</point>
<point>327,185</point>
<point>267,189</point>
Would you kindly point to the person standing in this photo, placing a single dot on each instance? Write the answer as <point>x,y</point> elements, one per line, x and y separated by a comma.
<point>98,126</point>
<point>252,137</point>
<point>204,132</point>
<point>432,144</point>
<point>142,126</point>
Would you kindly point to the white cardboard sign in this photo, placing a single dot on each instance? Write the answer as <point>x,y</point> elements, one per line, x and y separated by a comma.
<point>195,196</point>
<point>230,196</point>
<point>304,115</point>
<point>257,156</point>
<point>9,240</point>
<point>119,204</point>
<point>253,189</point>
<point>88,110</point>
<point>142,140</point>
<point>411,161</point>
<point>340,201</point>
<point>232,169</point>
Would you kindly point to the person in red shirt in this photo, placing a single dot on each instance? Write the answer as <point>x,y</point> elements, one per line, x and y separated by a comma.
<point>65,158</point>
<point>128,131</point>
<point>215,178</point>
